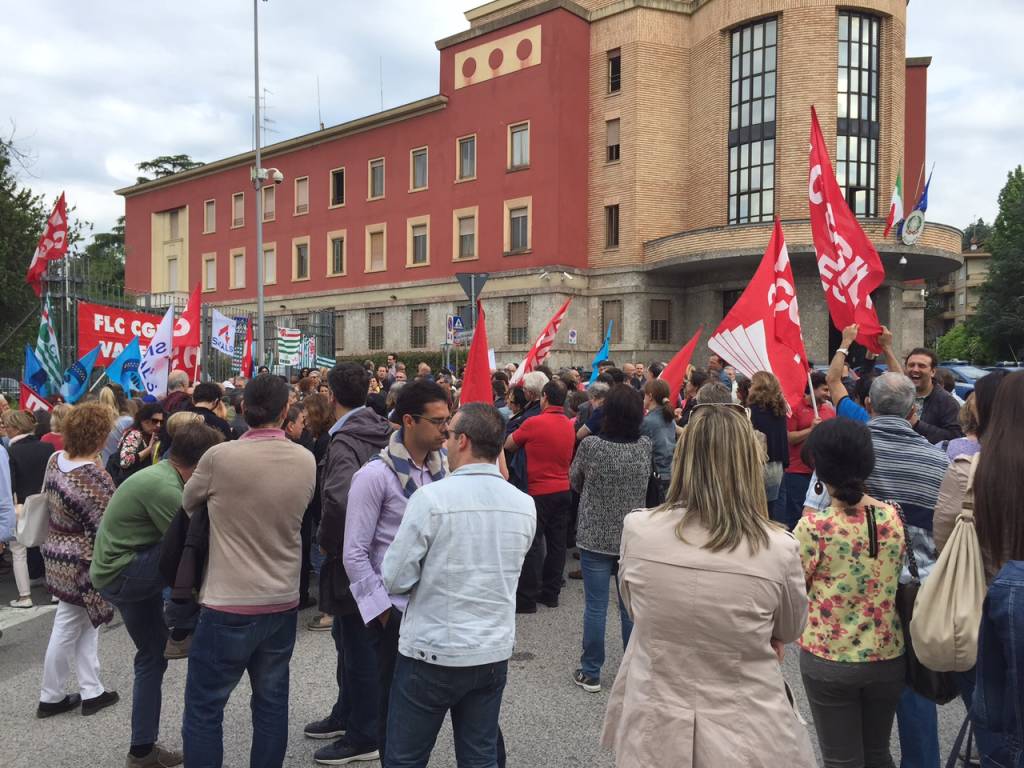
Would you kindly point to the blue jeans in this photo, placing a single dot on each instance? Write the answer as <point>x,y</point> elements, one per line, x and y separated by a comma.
<point>597,570</point>
<point>358,687</point>
<point>422,694</point>
<point>138,594</point>
<point>224,646</point>
<point>918,722</point>
<point>794,488</point>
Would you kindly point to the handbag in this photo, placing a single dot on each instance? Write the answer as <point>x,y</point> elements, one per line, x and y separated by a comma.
<point>947,615</point>
<point>33,521</point>
<point>939,687</point>
<point>653,497</point>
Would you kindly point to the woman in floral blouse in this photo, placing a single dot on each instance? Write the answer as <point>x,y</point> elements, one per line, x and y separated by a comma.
<point>139,445</point>
<point>852,661</point>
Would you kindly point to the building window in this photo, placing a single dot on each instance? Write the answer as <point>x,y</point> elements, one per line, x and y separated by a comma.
<point>336,253</point>
<point>752,123</point>
<point>612,131</point>
<point>614,71</point>
<point>376,178</point>
<point>375,332</point>
<point>418,169</point>
<point>237,275</point>
<point>269,200</point>
<point>173,225</point>
<point>611,312</point>
<point>611,226</point>
<point>300,267</point>
<point>518,316</point>
<point>519,145</point>
<point>238,209</point>
<point>302,195</point>
<point>729,299</point>
<point>661,313</point>
<point>465,234</point>
<point>467,158</point>
<point>857,123</point>
<point>337,187</point>
<point>417,245</point>
<point>418,328</point>
<point>172,275</point>
<point>209,271</point>
<point>376,248</point>
<point>209,217</point>
<point>269,264</point>
<point>339,330</point>
<point>465,311</point>
<point>519,229</point>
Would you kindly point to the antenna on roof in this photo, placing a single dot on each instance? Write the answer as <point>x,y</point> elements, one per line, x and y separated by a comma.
<point>319,115</point>
<point>381,63</point>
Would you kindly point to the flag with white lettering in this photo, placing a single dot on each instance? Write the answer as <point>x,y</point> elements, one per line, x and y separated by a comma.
<point>289,343</point>
<point>542,346</point>
<point>53,244</point>
<point>222,332</point>
<point>156,362</point>
<point>847,261</point>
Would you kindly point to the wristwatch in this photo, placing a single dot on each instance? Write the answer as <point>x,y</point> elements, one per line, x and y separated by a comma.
<point>846,352</point>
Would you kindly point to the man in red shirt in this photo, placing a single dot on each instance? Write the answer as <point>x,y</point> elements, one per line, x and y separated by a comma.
<point>799,426</point>
<point>548,439</point>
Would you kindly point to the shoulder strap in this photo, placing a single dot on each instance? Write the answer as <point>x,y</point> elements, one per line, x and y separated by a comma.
<point>915,574</point>
<point>968,503</point>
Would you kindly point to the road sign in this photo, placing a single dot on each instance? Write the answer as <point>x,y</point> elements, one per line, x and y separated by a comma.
<point>457,324</point>
<point>463,337</point>
<point>472,283</point>
<point>449,334</point>
<point>573,336</point>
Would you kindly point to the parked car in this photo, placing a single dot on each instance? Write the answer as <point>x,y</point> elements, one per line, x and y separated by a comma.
<point>1006,365</point>
<point>10,389</point>
<point>964,374</point>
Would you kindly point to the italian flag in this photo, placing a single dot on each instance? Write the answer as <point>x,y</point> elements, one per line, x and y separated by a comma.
<point>895,205</point>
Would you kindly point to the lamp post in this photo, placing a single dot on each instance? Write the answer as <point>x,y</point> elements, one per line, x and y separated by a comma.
<point>257,181</point>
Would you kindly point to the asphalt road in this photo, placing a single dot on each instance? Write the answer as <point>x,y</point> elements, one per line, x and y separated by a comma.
<point>546,719</point>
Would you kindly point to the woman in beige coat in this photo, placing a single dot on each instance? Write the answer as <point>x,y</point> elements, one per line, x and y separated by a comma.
<point>715,590</point>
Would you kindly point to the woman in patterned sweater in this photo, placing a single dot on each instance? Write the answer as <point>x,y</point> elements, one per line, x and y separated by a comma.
<point>77,489</point>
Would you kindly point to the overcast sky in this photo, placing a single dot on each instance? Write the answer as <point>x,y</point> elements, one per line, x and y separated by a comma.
<point>95,87</point>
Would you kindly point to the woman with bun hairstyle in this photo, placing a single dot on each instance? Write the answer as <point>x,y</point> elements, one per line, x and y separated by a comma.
<point>852,647</point>
<point>660,425</point>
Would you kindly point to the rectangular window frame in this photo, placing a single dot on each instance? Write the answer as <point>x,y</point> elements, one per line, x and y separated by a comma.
<point>425,152</point>
<point>517,335</point>
<point>171,266</point>
<point>419,335</point>
<point>339,331</point>
<point>236,279</point>
<point>271,192</point>
<point>270,260</point>
<point>174,224</point>
<point>613,137</point>
<point>459,176</point>
<point>458,215</point>
<point>370,230</point>
<point>857,137</point>
<point>614,308</point>
<point>296,242</point>
<point>509,206</point>
<point>331,198</point>
<point>337,234</point>
<point>611,226</point>
<point>237,204</point>
<point>209,219</point>
<point>300,208</point>
<point>369,178</point>
<point>410,224</point>
<point>660,331</point>
<point>208,285</point>
<point>375,332</point>
<point>614,71</point>
<point>513,129</point>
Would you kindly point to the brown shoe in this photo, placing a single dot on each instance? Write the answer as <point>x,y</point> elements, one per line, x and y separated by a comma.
<point>577,574</point>
<point>178,649</point>
<point>159,757</point>
<point>321,623</point>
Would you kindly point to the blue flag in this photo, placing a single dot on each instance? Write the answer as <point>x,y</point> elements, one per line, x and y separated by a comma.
<point>76,378</point>
<point>602,353</point>
<point>124,369</point>
<point>922,204</point>
<point>35,376</point>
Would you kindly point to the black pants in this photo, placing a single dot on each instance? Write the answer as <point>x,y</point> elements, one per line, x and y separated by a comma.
<point>853,705</point>
<point>541,577</point>
<point>385,645</point>
<point>306,532</point>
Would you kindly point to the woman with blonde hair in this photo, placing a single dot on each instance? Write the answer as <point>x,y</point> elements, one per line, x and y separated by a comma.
<point>54,436</point>
<point>768,415</point>
<point>113,396</point>
<point>715,590</point>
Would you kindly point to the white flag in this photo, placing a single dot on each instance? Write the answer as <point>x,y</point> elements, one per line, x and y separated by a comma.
<point>222,333</point>
<point>156,363</point>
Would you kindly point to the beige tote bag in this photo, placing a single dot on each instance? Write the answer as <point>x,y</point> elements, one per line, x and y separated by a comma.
<point>947,613</point>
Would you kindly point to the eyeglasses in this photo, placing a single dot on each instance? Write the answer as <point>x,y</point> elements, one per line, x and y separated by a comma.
<point>438,421</point>
<point>157,421</point>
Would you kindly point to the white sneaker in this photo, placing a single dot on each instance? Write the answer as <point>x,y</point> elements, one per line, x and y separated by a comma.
<point>22,602</point>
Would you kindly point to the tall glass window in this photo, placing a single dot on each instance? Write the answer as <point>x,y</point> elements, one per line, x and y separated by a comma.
<point>857,124</point>
<point>754,58</point>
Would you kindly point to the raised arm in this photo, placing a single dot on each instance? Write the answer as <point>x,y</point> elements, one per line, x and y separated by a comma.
<point>834,377</point>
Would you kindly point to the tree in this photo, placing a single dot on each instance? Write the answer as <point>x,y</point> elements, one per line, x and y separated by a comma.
<point>104,256</point>
<point>1000,316</point>
<point>978,230</point>
<point>963,342</point>
<point>165,165</point>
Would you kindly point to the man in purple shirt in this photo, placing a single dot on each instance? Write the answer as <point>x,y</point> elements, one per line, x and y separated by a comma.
<point>376,505</point>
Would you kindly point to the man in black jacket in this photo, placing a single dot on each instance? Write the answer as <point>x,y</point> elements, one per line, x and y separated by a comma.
<point>358,434</point>
<point>206,401</point>
<point>936,414</point>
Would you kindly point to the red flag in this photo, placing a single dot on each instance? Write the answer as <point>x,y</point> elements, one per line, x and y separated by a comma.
<point>247,353</point>
<point>675,372</point>
<point>762,330</point>
<point>31,400</point>
<point>542,346</point>
<point>52,245</point>
<point>186,336</point>
<point>847,261</point>
<point>476,383</point>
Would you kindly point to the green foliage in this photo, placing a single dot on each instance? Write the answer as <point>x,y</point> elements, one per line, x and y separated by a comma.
<point>1001,307</point>
<point>165,165</point>
<point>963,342</point>
<point>976,230</point>
<point>104,258</point>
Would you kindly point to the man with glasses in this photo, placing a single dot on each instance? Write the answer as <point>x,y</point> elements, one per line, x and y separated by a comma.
<point>414,457</point>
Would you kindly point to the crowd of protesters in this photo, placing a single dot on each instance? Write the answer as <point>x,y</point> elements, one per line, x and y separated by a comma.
<point>731,522</point>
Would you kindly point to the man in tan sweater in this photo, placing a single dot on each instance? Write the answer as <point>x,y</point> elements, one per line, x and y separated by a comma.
<point>256,490</point>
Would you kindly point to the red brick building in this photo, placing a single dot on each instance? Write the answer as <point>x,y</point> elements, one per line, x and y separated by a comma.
<point>628,155</point>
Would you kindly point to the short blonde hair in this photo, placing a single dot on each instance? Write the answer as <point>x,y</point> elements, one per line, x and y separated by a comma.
<point>58,415</point>
<point>177,420</point>
<point>718,475</point>
<point>20,422</point>
<point>86,429</point>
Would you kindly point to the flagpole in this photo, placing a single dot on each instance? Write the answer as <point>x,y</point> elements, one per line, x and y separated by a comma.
<point>103,375</point>
<point>258,183</point>
<point>814,400</point>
